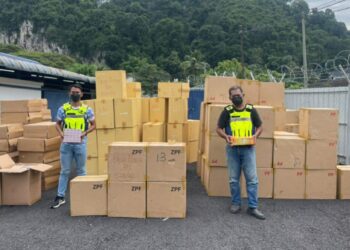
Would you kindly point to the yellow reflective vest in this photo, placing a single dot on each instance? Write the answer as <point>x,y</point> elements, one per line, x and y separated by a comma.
<point>75,118</point>
<point>240,121</point>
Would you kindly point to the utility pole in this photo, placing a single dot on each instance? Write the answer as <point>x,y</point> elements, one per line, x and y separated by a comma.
<point>304,52</point>
<point>242,55</point>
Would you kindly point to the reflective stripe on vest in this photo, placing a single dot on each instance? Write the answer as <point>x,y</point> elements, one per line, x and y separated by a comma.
<point>75,118</point>
<point>240,121</point>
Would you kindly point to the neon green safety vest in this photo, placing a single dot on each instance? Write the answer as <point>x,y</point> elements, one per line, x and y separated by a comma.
<point>240,121</point>
<point>75,118</point>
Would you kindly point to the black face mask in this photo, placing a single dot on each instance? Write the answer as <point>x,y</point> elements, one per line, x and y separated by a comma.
<point>75,97</point>
<point>237,100</point>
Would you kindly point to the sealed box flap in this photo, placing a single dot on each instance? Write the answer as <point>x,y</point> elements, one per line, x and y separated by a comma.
<point>6,162</point>
<point>39,167</point>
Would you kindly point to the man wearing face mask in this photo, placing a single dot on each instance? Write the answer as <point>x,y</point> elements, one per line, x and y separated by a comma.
<point>241,120</point>
<point>75,116</point>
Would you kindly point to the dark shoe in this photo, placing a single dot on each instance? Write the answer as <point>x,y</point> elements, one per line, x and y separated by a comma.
<point>59,201</point>
<point>256,213</point>
<point>235,209</point>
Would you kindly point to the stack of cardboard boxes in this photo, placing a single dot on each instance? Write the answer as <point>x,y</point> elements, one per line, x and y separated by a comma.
<point>192,140</point>
<point>40,144</point>
<point>9,135</point>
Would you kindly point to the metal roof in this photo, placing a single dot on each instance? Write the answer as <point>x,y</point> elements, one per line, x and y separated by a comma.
<point>18,63</point>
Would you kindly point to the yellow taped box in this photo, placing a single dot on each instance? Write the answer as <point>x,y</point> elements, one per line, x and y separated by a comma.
<point>134,89</point>
<point>111,84</point>
<point>153,132</point>
<point>158,109</point>
<point>104,113</point>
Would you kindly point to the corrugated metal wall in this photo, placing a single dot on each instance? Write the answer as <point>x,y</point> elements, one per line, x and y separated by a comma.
<point>339,98</point>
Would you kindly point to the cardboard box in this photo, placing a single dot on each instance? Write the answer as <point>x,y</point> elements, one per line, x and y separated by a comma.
<point>251,89</point>
<point>21,183</point>
<point>39,145</point>
<point>125,113</point>
<point>321,154</point>
<point>90,103</point>
<point>21,106</point>
<point>9,118</point>
<point>177,132</point>
<point>166,199</point>
<point>127,161</point>
<point>202,119</point>
<point>289,152</point>
<point>153,132</point>
<point>11,131</point>
<point>321,184</point>
<point>216,181</point>
<point>292,128</point>
<point>88,195</point>
<point>289,184</point>
<point>8,145</point>
<point>44,130</point>
<point>55,169</point>
<point>102,165</point>
<point>213,113</point>
<point>319,123</point>
<point>185,90</point>
<point>145,110</point>
<point>193,130</point>
<point>92,150</point>
<point>267,116</point>
<point>128,134</point>
<point>216,89</point>
<point>343,182</point>
<point>192,151</point>
<point>127,199</point>
<point>104,138</point>
<point>46,115</point>
<point>280,119</point>
<point>177,110</point>
<point>272,94</point>
<point>264,152</point>
<point>215,151</point>
<point>104,113</point>
<point>134,89</point>
<point>292,116</point>
<point>92,166</point>
<point>39,157</point>
<point>265,186</point>
<point>48,183</point>
<point>169,90</point>
<point>111,84</point>
<point>138,111</point>
<point>158,110</point>
<point>166,162</point>
<point>35,117</point>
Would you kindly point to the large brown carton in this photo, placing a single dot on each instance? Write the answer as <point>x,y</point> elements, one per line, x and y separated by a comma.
<point>267,116</point>
<point>128,134</point>
<point>11,131</point>
<point>39,145</point>
<point>213,113</point>
<point>46,115</point>
<point>272,94</point>
<point>111,84</point>
<point>39,157</point>
<point>321,184</point>
<point>44,130</point>
<point>166,162</point>
<point>21,183</point>
<point>104,138</point>
<point>21,106</point>
<point>264,152</point>
<point>321,154</point>
<point>48,183</point>
<point>127,161</point>
<point>54,170</point>
<point>251,89</point>
<point>280,119</point>
<point>158,110</point>
<point>215,151</point>
<point>169,89</point>
<point>289,184</point>
<point>92,166</point>
<point>193,130</point>
<point>265,186</point>
<point>125,113</point>
<point>166,199</point>
<point>35,117</point>
<point>153,132</point>
<point>145,110</point>
<point>127,199</point>
<point>343,182</point>
<point>216,181</point>
<point>177,132</point>
<point>8,145</point>
<point>88,195</point>
<point>319,123</point>
<point>292,116</point>
<point>104,113</point>
<point>134,90</point>
<point>192,151</point>
<point>92,150</point>
<point>216,89</point>
<point>9,118</point>
<point>289,152</point>
<point>177,110</point>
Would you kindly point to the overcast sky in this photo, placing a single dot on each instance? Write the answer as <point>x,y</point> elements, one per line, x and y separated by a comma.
<point>342,16</point>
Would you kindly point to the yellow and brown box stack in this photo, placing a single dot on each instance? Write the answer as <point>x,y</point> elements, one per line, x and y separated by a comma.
<point>24,111</point>
<point>9,135</point>
<point>40,144</point>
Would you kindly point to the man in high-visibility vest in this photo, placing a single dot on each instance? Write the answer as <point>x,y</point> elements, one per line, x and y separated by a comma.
<point>241,121</point>
<point>74,116</point>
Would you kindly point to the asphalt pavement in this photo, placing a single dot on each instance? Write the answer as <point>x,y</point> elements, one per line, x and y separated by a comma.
<point>290,224</point>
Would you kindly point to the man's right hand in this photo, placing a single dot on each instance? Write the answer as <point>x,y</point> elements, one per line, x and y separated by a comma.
<point>228,139</point>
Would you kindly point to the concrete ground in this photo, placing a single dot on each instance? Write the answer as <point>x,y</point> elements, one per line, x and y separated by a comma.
<point>209,225</point>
